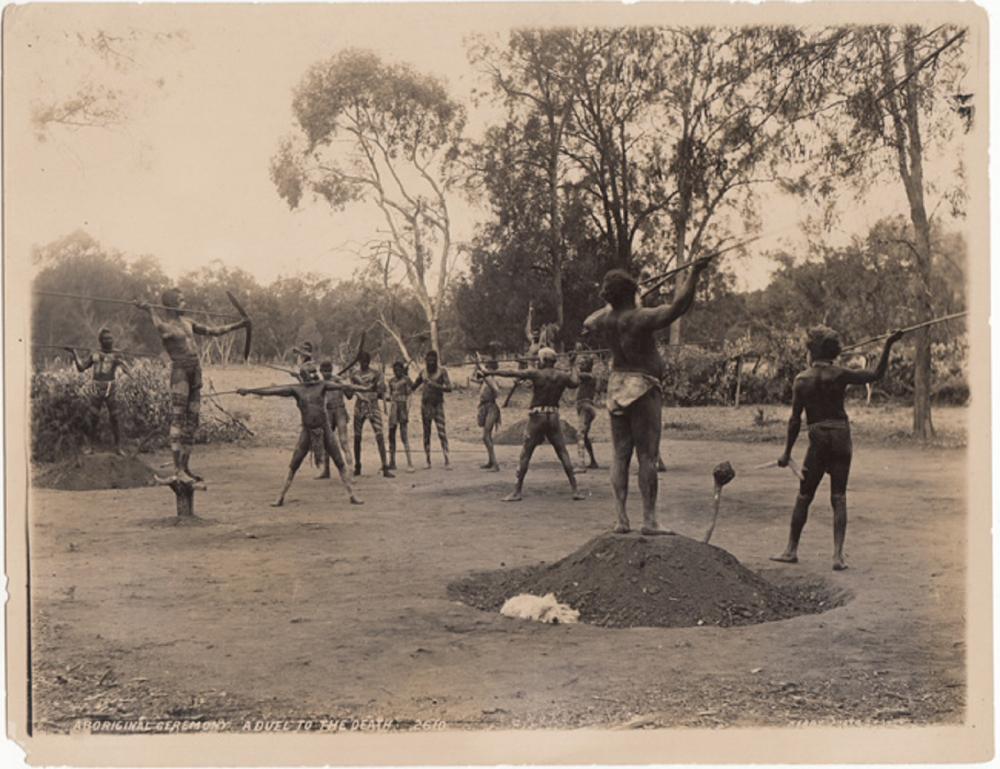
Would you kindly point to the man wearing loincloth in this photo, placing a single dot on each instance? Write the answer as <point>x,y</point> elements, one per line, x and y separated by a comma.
<point>310,397</point>
<point>586,412</point>
<point>370,388</point>
<point>819,390</point>
<point>548,385</point>
<point>106,363</point>
<point>177,335</point>
<point>400,387</point>
<point>488,416</point>
<point>635,397</point>
<point>436,383</point>
<point>336,412</point>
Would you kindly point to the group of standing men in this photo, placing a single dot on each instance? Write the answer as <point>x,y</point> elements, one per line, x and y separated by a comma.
<point>634,399</point>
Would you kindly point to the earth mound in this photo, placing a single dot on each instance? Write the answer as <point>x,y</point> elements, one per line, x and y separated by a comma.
<point>89,472</point>
<point>636,581</point>
<point>513,435</point>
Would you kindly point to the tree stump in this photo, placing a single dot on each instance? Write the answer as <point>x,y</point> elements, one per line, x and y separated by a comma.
<point>184,492</point>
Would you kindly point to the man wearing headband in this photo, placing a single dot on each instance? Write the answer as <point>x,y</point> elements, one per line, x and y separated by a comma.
<point>177,335</point>
<point>106,363</point>
<point>635,397</point>
<point>819,391</point>
<point>548,385</point>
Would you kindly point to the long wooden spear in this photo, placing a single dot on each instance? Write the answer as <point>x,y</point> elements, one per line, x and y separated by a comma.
<point>906,330</point>
<point>109,300</point>
<point>95,349</point>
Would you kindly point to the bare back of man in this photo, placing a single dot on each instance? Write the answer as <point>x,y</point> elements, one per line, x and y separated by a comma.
<point>635,398</point>
<point>819,392</point>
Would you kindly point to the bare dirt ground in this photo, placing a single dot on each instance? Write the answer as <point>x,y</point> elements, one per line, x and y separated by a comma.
<point>325,610</point>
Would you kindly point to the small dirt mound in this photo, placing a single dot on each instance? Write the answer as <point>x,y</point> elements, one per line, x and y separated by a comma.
<point>635,581</point>
<point>513,435</point>
<point>89,472</point>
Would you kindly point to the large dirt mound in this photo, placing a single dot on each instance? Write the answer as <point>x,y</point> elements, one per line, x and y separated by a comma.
<point>89,472</point>
<point>513,435</point>
<point>636,581</point>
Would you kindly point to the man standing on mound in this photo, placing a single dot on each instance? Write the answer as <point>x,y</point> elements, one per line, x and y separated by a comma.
<point>177,334</point>
<point>310,397</point>
<point>548,385</point>
<point>635,397</point>
<point>436,383</point>
<point>106,363</point>
<point>819,390</point>
<point>370,388</point>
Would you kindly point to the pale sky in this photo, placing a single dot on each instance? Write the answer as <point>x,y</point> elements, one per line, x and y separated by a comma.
<point>185,178</point>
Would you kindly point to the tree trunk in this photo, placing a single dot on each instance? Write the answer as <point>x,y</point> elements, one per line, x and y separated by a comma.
<point>677,327</point>
<point>914,183</point>
<point>433,324</point>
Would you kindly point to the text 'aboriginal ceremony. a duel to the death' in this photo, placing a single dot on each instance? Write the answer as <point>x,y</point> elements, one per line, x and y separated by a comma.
<point>724,268</point>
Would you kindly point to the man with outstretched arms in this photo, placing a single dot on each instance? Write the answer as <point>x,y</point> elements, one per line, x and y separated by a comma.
<point>310,397</point>
<point>548,385</point>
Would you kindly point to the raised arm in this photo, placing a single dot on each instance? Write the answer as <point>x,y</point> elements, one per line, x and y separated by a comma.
<point>867,376</point>
<point>593,321</point>
<point>80,365</point>
<point>286,391</point>
<point>200,328</point>
<point>153,315</point>
<point>526,373</point>
<point>664,315</point>
<point>794,423</point>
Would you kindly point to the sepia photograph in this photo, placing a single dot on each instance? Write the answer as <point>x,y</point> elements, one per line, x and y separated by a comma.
<point>497,383</point>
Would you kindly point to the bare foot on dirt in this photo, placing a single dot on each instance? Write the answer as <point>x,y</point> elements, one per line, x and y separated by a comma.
<point>785,558</point>
<point>658,531</point>
<point>355,500</point>
<point>593,466</point>
<point>322,476</point>
<point>580,494</point>
<point>839,565</point>
<point>411,469</point>
<point>279,502</point>
<point>387,473</point>
<point>448,467</point>
<point>494,468</point>
<point>621,529</point>
<point>514,496</point>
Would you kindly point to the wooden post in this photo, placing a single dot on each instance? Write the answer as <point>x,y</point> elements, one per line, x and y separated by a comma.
<point>739,377</point>
<point>184,492</point>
